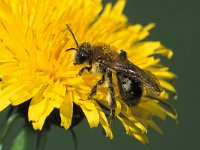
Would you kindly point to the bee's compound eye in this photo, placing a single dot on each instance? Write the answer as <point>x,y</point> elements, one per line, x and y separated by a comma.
<point>82,57</point>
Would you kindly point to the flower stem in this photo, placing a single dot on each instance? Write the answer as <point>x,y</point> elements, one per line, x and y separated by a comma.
<point>41,140</point>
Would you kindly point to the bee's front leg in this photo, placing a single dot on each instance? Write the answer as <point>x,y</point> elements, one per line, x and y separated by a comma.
<point>112,96</point>
<point>85,68</point>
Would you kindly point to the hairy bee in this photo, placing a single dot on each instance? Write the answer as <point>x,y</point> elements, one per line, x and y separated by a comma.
<point>131,78</point>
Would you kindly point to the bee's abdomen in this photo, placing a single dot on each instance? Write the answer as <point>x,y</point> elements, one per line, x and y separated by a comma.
<point>130,90</point>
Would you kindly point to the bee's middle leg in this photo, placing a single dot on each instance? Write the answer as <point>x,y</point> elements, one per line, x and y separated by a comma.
<point>112,96</point>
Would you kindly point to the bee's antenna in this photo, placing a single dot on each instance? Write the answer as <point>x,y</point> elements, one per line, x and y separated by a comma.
<point>69,49</point>
<point>72,35</point>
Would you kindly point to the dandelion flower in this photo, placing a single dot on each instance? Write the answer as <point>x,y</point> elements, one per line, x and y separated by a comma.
<point>35,67</point>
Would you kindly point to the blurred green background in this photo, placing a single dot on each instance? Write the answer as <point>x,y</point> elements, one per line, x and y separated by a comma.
<point>177,27</point>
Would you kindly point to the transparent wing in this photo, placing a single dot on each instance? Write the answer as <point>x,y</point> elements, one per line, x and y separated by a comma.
<point>124,66</point>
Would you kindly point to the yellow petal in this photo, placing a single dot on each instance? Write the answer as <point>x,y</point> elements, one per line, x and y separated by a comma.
<point>6,55</point>
<point>154,108</point>
<point>66,111</point>
<point>132,130</point>
<point>119,7</point>
<point>11,90</point>
<point>142,113</point>
<point>167,86</point>
<point>90,112</point>
<point>144,139</point>
<point>25,93</point>
<point>164,95</point>
<point>4,103</point>
<point>152,124</point>
<point>132,126</point>
<point>37,106</point>
<point>104,122</point>
<point>145,31</point>
<point>164,74</point>
<point>39,123</point>
<point>8,68</point>
<point>144,49</point>
<point>165,52</point>
<point>55,93</point>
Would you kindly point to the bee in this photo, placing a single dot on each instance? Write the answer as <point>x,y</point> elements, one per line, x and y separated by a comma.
<point>131,79</point>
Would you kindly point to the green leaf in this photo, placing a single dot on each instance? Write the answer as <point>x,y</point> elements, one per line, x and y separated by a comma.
<point>24,140</point>
<point>6,127</point>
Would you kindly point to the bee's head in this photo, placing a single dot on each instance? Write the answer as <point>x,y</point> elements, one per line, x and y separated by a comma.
<point>82,54</point>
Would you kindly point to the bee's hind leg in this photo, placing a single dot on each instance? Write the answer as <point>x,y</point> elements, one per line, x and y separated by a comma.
<point>112,96</point>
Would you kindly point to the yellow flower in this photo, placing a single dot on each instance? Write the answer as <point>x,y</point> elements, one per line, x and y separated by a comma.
<point>35,67</point>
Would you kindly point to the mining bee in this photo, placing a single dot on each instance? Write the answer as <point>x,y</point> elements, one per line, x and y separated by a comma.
<point>132,80</point>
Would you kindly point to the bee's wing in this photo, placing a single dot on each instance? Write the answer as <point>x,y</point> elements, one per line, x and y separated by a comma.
<point>124,66</point>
